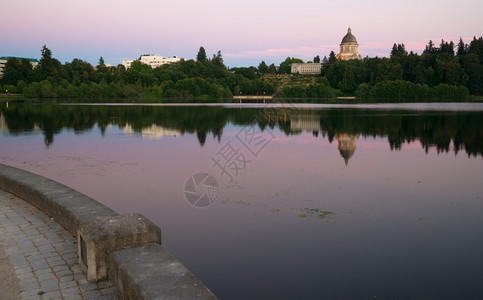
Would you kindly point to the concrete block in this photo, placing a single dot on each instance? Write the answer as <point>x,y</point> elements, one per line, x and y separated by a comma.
<point>151,272</point>
<point>98,238</point>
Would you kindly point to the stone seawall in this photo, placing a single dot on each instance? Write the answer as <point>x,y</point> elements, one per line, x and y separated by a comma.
<point>125,249</point>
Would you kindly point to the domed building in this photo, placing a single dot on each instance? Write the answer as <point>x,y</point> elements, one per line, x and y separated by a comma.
<point>349,48</point>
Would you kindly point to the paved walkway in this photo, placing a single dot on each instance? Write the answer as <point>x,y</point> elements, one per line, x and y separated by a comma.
<point>38,257</point>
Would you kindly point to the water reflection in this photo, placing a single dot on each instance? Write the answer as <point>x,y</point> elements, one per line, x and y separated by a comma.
<point>443,130</point>
<point>153,132</point>
<point>304,122</point>
<point>394,224</point>
<point>3,125</point>
<point>347,145</point>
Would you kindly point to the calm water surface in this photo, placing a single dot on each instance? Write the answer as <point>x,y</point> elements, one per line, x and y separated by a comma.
<point>314,202</point>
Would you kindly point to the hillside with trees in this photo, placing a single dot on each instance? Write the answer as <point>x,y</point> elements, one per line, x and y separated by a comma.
<point>446,72</point>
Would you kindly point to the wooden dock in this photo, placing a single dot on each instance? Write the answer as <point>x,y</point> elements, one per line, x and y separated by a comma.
<point>252,98</point>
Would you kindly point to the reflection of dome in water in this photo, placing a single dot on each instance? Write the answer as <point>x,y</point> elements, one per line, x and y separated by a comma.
<point>347,145</point>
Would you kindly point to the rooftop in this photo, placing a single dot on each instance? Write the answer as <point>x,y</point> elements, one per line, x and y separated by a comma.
<point>349,37</point>
<point>19,58</point>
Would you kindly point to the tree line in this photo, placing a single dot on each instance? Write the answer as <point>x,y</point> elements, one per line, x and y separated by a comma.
<point>201,78</point>
<point>439,72</point>
<point>447,71</point>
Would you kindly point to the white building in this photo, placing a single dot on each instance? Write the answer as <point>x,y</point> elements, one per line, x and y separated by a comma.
<point>3,60</point>
<point>152,60</point>
<point>312,68</point>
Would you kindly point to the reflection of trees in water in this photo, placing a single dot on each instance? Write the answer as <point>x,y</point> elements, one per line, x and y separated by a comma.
<point>444,131</point>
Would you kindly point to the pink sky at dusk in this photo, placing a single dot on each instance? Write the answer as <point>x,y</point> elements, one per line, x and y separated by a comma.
<point>246,32</point>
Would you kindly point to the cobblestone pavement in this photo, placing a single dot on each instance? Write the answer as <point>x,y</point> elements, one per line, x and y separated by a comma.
<point>41,257</point>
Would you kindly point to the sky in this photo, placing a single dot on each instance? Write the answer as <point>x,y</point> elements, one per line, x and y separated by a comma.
<point>246,32</point>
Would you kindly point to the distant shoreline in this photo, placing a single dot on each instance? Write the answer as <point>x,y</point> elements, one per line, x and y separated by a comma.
<point>338,100</point>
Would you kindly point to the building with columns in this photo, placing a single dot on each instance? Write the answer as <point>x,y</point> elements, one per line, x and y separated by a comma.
<point>312,68</point>
<point>349,48</point>
<point>152,60</point>
<point>3,60</point>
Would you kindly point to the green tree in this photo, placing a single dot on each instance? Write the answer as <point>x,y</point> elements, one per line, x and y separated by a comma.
<point>286,65</point>
<point>317,59</point>
<point>12,72</point>
<point>249,73</point>
<point>348,83</point>
<point>398,51</point>
<point>16,70</point>
<point>101,63</point>
<point>27,70</point>
<point>462,48</point>
<point>473,69</point>
<point>218,59</point>
<point>446,47</point>
<point>46,63</point>
<point>263,68</point>
<point>332,57</point>
<point>272,69</point>
<point>201,56</point>
<point>476,47</point>
<point>362,91</point>
<point>430,49</point>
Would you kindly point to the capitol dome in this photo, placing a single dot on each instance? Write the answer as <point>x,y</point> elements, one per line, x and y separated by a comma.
<point>349,37</point>
<point>349,48</point>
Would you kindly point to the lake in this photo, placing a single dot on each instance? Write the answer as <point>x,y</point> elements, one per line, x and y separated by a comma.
<point>281,201</point>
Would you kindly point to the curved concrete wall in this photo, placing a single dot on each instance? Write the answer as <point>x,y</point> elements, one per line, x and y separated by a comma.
<point>161,275</point>
<point>68,207</point>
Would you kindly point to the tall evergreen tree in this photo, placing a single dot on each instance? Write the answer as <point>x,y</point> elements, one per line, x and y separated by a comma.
<point>476,47</point>
<point>399,51</point>
<point>263,68</point>
<point>201,56</point>
<point>462,48</point>
<point>46,63</point>
<point>430,49</point>
<point>101,63</point>
<point>218,59</point>
<point>332,57</point>
<point>446,47</point>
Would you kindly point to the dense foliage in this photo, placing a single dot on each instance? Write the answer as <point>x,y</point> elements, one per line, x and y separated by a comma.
<point>205,78</point>
<point>439,72</point>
